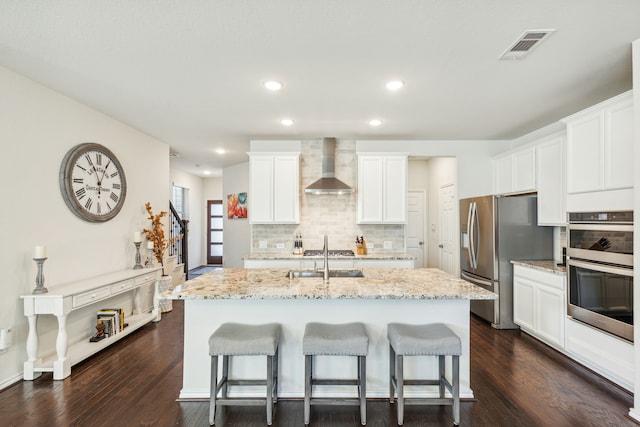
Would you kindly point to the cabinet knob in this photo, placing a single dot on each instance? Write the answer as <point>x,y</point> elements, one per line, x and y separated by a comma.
<point>441,246</point>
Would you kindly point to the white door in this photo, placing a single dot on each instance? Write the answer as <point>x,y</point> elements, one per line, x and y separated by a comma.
<point>415,227</point>
<point>448,241</point>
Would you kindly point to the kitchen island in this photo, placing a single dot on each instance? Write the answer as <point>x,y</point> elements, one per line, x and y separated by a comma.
<point>273,295</point>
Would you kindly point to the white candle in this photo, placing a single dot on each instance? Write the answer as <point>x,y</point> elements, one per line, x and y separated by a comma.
<point>149,245</point>
<point>137,238</point>
<point>41,252</point>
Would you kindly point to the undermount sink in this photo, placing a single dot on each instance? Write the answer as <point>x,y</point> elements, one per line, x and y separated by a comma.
<point>332,273</point>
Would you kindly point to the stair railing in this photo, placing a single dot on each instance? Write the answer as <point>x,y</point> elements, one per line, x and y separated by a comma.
<point>179,235</point>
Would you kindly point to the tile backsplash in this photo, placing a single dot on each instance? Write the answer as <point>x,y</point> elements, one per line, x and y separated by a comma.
<point>331,214</point>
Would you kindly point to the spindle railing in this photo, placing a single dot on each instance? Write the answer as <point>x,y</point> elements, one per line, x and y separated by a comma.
<point>179,235</point>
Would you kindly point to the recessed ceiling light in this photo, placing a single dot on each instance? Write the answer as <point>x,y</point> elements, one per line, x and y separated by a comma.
<point>206,172</point>
<point>286,122</point>
<point>220,151</point>
<point>375,122</point>
<point>273,85</point>
<point>394,84</point>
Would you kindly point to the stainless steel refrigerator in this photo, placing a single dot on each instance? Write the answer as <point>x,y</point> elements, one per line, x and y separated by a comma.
<point>493,231</point>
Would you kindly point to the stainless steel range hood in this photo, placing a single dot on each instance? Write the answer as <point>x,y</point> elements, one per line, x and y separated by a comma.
<point>328,184</point>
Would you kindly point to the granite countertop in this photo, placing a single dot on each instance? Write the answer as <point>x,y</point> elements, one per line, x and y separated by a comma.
<point>378,283</point>
<point>383,256</point>
<point>548,266</point>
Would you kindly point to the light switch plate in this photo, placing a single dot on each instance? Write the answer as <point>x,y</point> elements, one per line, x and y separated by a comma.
<point>388,244</point>
<point>263,244</point>
<point>280,245</point>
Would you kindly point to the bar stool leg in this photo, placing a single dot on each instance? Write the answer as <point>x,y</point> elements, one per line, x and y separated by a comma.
<point>455,377</point>
<point>308,361</point>
<point>225,376</point>
<point>275,377</point>
<point>392,373</point>
<point>441,375</point>
<point>400,387</point>
<point>213,390</point>
<point>269,400</point>
<point>362,388</point>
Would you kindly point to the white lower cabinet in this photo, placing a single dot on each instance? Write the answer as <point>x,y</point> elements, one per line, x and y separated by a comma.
<point>539,304</point>
<point>609,356</point>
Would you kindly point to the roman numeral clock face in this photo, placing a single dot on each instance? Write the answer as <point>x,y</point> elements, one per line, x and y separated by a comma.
<point>92,182</point>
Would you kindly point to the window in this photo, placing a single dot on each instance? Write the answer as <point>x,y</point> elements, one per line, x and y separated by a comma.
<point>181,201</point>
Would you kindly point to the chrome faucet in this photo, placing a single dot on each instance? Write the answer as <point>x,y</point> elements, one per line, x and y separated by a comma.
<point>326,259</point>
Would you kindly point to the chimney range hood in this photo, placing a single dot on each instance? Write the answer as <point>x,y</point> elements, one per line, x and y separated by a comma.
<point>328,184</point>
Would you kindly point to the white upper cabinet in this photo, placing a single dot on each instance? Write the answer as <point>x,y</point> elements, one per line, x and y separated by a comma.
<point>515,172</point>
<point>600,147</point>
<point>550,169</point>
<point>382,189</point>
<point>274,188</point>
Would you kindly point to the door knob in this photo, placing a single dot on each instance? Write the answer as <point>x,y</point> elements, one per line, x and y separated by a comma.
<point>421,243</point>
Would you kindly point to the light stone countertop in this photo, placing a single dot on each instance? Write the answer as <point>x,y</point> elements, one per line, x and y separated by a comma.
<point>288,256</point>
<point>548,266</point>
<point>378,283</point>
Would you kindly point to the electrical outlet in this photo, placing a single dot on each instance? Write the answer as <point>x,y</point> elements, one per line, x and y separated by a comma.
<point>262,244</point>
<point>388,244</point>
<point>280,245</point>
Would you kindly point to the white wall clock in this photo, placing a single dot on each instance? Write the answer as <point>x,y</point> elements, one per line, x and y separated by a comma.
<point>92,182</point>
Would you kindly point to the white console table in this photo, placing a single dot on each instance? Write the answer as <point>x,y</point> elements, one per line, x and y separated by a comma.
<point>63,299</point>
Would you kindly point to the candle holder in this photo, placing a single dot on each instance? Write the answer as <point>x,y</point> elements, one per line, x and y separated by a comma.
<point>40,289</point>
<point>138,259</point>
<point>149,258</point>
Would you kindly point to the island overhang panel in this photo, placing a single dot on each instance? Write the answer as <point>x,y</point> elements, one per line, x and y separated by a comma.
<point>382,296</point>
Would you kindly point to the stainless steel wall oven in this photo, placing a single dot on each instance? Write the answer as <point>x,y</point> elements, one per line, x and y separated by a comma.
<point>600,270</point>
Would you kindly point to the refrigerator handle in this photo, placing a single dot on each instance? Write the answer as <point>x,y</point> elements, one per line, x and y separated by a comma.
<point>470,234</point>
<point>471,228</point>
<point>476,227</point>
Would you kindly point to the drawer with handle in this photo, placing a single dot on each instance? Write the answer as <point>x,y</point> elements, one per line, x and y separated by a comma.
<point>121,287</point>
<point>91,296</point>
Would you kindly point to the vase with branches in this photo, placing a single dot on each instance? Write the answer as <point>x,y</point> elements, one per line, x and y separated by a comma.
<point>156,234</point>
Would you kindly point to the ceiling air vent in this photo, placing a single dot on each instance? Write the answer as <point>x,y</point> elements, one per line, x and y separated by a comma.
<point>525,44</point>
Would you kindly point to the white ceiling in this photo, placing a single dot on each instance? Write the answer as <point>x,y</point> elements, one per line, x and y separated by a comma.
<point>190,72</point>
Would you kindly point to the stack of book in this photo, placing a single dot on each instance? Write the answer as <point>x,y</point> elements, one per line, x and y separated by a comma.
<point>113,320</point>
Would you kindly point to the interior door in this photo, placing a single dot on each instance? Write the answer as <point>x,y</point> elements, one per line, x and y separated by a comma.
<point>448,240</point>
<point>416,227</point>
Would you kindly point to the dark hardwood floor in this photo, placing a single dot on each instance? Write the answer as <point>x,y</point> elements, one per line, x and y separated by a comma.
<point>517,381</point>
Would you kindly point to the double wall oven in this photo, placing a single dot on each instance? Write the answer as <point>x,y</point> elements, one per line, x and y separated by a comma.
<point>600,270</point>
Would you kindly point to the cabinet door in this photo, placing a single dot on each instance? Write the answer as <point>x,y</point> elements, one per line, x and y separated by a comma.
<point>286,183</point>
<point>370,184</point>
<point>584,153</point>
<point>261,189</point>
<point>549,314</point>
<point>523,309</point>
<point>524,170</point>
<point>618,148</point>
<point>395,190</point>
<point>551,182</point>
<point>503,169</point>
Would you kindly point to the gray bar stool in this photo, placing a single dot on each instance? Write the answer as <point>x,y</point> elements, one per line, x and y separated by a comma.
<point>234,339</point>
<point>349,339</point>
<point>424,340</point>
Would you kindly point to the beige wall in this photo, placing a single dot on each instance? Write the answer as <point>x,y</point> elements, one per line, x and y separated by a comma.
<point>39,127</point>
<point>237,232</point>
